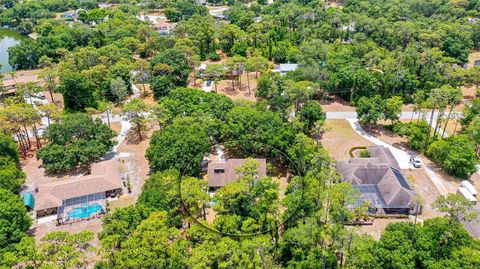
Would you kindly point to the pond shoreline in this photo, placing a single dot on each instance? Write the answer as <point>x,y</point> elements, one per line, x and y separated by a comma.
<point>8,38</point>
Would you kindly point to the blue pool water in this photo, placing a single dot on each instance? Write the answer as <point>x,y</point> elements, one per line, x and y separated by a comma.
<point>84,211</point>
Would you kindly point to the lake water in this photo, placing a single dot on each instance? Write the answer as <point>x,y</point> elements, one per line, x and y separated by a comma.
<point>8,38</point>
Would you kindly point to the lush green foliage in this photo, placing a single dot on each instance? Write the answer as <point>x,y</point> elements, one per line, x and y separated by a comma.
<point>193,102</point>
<point>251,132</point>
<point>58,249</point>
<point>180,145</point>
<point>455,154</point>
<point>371,110</point>
<point>436,244</point>
<point>372,53</point>
<point>11,176</point>
<point>14,221</point>
<point>8,147</point>
<point>170,66</point>
<point>416,132</point>
<point>76,141</point>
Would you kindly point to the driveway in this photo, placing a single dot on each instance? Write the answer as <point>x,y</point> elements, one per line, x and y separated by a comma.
<point>206,88</point>
<point>402,157</point>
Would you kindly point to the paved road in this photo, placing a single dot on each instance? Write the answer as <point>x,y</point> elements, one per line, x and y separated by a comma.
<point>404,115</point>
<point>353,115</point>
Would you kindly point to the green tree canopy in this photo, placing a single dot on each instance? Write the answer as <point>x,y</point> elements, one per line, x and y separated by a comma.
<point>76,141</point>
<point>14,221</point>
<point>180,145</point>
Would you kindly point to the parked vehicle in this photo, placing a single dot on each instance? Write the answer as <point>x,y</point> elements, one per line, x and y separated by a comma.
<point>415,161</point>
<point>462,191</point>
<point>467,185</point>
<point>209,83</point>
<point>40,95</point>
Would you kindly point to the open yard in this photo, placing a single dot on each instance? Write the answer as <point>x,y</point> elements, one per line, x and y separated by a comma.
<point>339,138</point>
<point>147,94</point>
<point>124,201</point>
<point>239,91</point>
<point>472,57</point>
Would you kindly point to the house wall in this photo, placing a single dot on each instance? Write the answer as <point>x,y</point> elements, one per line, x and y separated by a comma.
<point>46,212</point>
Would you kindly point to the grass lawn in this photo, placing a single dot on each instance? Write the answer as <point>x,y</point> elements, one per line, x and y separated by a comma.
<point>124,201</point>
<point>339,138</point>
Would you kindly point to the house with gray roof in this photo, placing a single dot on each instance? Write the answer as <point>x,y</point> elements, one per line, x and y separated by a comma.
<point>380,182</point>
<point>285,68</point>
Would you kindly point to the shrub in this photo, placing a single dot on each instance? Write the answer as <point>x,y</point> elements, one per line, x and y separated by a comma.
<point>350,152</point>
<point>416,132</point>
<point>213,56</point>
<point>365,154</point>
<point>455,154</point>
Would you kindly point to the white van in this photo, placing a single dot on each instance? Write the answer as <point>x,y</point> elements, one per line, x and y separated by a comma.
<point>467,195</point>
<point>467,185</point>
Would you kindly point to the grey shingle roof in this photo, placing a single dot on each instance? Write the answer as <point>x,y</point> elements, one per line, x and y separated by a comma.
<point>379,178</point>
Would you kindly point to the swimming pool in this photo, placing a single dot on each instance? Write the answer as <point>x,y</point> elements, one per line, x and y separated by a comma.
<point>84,212</point>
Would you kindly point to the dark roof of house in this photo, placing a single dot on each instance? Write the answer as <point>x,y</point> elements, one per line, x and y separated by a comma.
<point>384,155</point>
<point>220,173</point>
<point>378,178</point>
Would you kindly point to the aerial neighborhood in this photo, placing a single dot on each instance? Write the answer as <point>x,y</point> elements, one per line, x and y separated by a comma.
<point>240,134</point>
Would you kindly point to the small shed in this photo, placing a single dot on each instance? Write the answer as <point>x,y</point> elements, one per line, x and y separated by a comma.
<point>29,201</point>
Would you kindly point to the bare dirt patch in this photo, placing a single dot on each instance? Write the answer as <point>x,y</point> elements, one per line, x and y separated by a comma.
<point>93,225</point>
<point>469,93</point>
<point>339,138</point>
<point>136,164</point>
<point>58,98</point>
<point>424,187</point>
<point>378,226</point>
<point>116,127</point>
<point>239,91</point>
<point>146,94</point>
<point>472,57</point>
<point>379,131</point>
<point>336,105</point>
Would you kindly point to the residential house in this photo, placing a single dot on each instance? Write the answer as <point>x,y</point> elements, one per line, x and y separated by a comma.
<point>164,28</point>
<point>380,182</point>
<point>79,197</point>
<point>221,172</point>
<point>285,68</point>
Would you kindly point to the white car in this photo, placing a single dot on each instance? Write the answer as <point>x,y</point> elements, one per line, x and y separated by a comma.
<point>415,161</point>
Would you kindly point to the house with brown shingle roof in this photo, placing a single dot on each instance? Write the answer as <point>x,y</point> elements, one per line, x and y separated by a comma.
<point>221,172</point>
<point>380,181</point>
<point>78,193</point>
